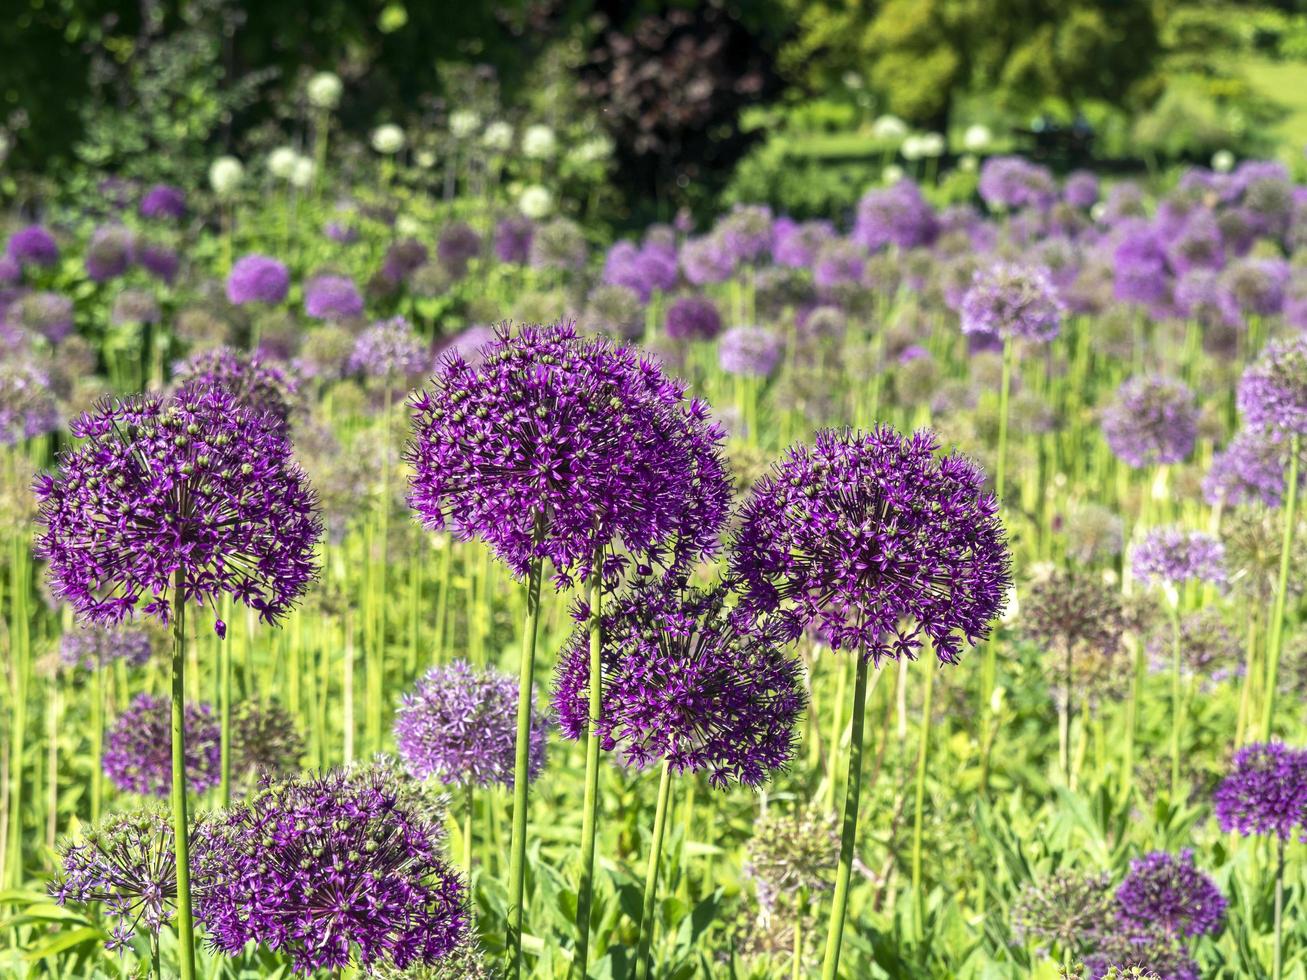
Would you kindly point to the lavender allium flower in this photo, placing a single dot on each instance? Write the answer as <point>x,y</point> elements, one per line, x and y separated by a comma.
<point>1139,265</point>
<point>458,245</point>
<point>746,233</point>
<point>1252,469</point>
<point>1197,245</point>
<point>47,314</point>
<point>163,201</point>
<point>1152,420</point>
<point>257,279</point>
<point>688,680</point>
<point>1012,183</point>
<point>513,239</point>
<point>135,306</point>
<point>202,489</point>
<point>27,406</point>
<point>557,445</point>
<point>127,862</point>
<point>32,245</point>
<point>93,648</point>
<point>390,350</point>
<point>797,245</point>
<point>159,261</point>
<point>256,384</point>
<point>332,298</point>
<point>138,748</point>
<point>1167,892</point>
<point>11,273</point>
<point>875,540</point>
<point>1256,286</point>
<point>1273,390</point>
<point>331,869</point>
<point>750,351</point>
<point>839,263</point>
<point>1199,295</point>
<point>1173,555</point>
<point>706,260</point>
<point>897,215</point>
<point>693,318</point>
<point>1011,300</point>
<point>459,725</point>
<point>109,253</point>
<point>1080,190</point>
<point>645,269</point>
<point>1265,792</point>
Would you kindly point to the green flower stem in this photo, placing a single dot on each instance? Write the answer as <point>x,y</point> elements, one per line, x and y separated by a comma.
<point>919,805</point>
<point>1275,634</point>
<point>97,741</point>
<point>180,823</point>
<point>1277,951</point>
<point>1004,392</point>
<point>644,956</point>
<point>224,711</point>
<point>1177,704</point>
<point>590,806</point>
<point>467,832</point>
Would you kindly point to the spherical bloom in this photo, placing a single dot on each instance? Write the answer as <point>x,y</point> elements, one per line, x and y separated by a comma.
<point>1062,911</point>
<point>1167,892</point>
<point>457,246</point>
<point>557,445</point>
<point>1148,954</point>
<point>257,278</point>
<point>1252,469</point>
<point>127,861</point>
<point>976,138</point>
<point>535,202</point>
<point>1200,295</point>
<point>201,488</point>
<point>1013,183</point>
<point>1152,420</point>
<point>897,215</point>
<point>539,142</point>
<point>330,869</point>
<point>32,245</point>
<point>706,260</point>
<point>138,748</point>
<point>746,232</point>
<point>643,269</point>
<point>875,540</point>
<point>513,239</point>
<point>324,90</point>
<point>252,382</point>
<point>498,136</point>
<point>1222,161</point>
<point>1209,651</point>
<point>390,350</point>
<point>159,261</point>
<point>135,306</point>
<point>109,253</point>
<point>1273,390</point>
<point>1010,300</point>
<point>225,175</point>
<point>1080,189</point>
<point>459,725</point>
<point>27,405</point>
<point>889,129</point>
<point>332,298</point>
<point>164,202</point>
<point>692,318</point>
<point>1173,555</point>
<point>792,854</point>
<point>94,647</point>
<point>1197,245</point>
<point>612,310</point>
<point>47,314</point>
<point>796,245</point>
<point>1257,286</point>
<point>281,162</point>
<point>688,681</point>
<point>264,738</point>
<point>840,263</point>
<point>405,256</point>
<point>302,173</point>
<point>388,139</point>
<point>1073,609</point>
<point>750,351</point>
<point>559,244</point>
<point>1139,265</point>
<point>1265,791</point>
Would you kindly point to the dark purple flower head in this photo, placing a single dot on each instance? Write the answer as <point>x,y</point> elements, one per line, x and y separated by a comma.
<point>1256,286</point>
<point>1251,470</point>
<point>693,318</point>
<point>459,725</point>
<point>1173,555</point>
<point>1265,792</point>
<point>390,350</point>
<point>557,445</point>
<point>254,383</point>
<point>458,245</point>
<point>32,245</point>
<point>27,405</point>
<point>331,869</point>
<point>138,748</point>
<point>897,215</point>
<point>94,647</point>
<point>110,252</point>
<point>513,239</point>
<point>194,486</point>
<point>1152,420</point>
<point>1080,190</point>
<point>1273,390</point>
<point>1011,183</point>
<point>1010,300</point>
<point>1166,892</point>
<point>797,245</point>
<point>164,202</point>
<point>644,269</point>
<point>332,298</point>
<point>257,279</point>
<point>706,260</point>
<point>159,261</point>
<point>878,541</point>
<point>1122,952</point>
<point>47,314</point>
<point>751,351</point>
<point>686,680</point>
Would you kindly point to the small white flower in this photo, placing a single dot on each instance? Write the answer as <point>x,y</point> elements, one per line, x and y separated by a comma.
<point>977,137</point>
<point>1099,211</point>
<point>426,159</point>
<point>407,225</point>
<point>1222,161</point>
<point>592,150</point>
<point>931,145</point>
<point>539,142</point>
<point>892,174</point>
<point>535,202</point>
<point>225,175</point>
<point>852,81</point>
<point>301,174</point>
<point>388,139</point>
<point>324,90</point>
<point>912,148</point>
<point>463,123</point>
<point>281,162</point>
<point>968,163</point>
<point>889,129</point>
<point>498,136</point>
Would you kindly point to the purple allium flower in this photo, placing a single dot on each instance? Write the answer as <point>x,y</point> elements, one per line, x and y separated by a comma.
<point>1200,295</point>
<point>332,298</point>
<point>138,748</point>
<point>341,233</point>
<point>390,350</point>
<point>746,233</point>
<point>27,405</point>
<point>559,244</point>
<point>1139,265</point>
<point>254,383</point>
<point>159,261</point>
<point>1256,286</point>
<point>458,245</point>
<point>693,318</point>
<point>264,738</point>
<point>1152,420</point>
<point>47,314</point>
<point>1265,791</point>
<point>163,201</point>
<point>407,255</point>
<point>1251,470</point>
<point>644,269</point>
<point>513,239</point>
<point>134,306</point>
<point>1012,183</point>
<point>460,725</point>
<point>1080,190</point>
<point>686,680</point>
<point>1197,245</point>
<point>1010,300</point>
<point>750,351</point>
<point>257,279</point>
<point>1148,954</point>
<point>127,861</point>
<point>95,647</point>
<point>1167,892</point>
<point>1209,651</point>
<point>11,273</point>
<point>202,489</point>
<point>32,245</point>
<point>706,260</point>
<point>840,263</point>
<point>556,446</point>
<point>331,869</point>
<point>110,252</point>
<point>1273,390</point>
<point>896,215</point>
<point>877,540</point>
<point>796,245</point>
<point>1173,555</point>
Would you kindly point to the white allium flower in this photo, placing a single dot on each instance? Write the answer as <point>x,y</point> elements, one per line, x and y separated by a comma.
<point>977,137</point>
<point>463,123</point>
<point>535,201</point>
<point>388,139</point>
<point>324,90</point>
<point>852,80</point>
<point>889,129</point>
<point>1099,211</point>
<point>426,159</point>
<point>225,175</point>
<point>301,174</point>
<point>892,174</point>
<point>968,163</point>
<point>913,147</point>
<point>408,225</point>
<point>498,136</point>
<point>592,150</point>
<point>281,162</point>
<point>539,142</point>
<point>1222,161</point>
<point>931,144</point>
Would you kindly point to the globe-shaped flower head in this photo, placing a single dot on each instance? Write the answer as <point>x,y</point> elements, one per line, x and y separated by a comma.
<point>254,383</point>
<point>390,350</point>
<point>27,406</point>
<point>32,245</point>
<point>897,215</point>
<point>1265,791</point>
<point>164,202</point>
<point>686,680</point>
<point>109,253</point>
<point>1166,891</point>
<point>1009,300</point>
<point>332,298</point>
<point>876,541</point>
<point>1152,420</point>
<point>257,279</point>
<point>693,318</point>
<point>1273,390</point>
<point>91,649</point>
<point>750,351</point>
<point>138,748</point>
<point>1171,555</point>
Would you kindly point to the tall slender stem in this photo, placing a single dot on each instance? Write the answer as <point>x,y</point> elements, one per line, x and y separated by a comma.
<point>590,806</point>
<point>644,957</point>
<point>1177,705</point>
<point>97,740</point>
<point>1277,952</point>
<point>224,711</point>
<point>1064,717</point>
<point>1275,633</point>
<point>796,967</point>
<point>517,860</point>
<point>848,835</point>
<point>180,823</point>
<point>1004,391</point>
<point>919,806</point>
<point>467,833</point>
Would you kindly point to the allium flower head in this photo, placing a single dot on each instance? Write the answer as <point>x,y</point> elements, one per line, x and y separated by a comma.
<point>746,233</point>
<point>693,318</point>
<point>332,298</point>
<point>390,350</point>
<point>1252,469</point>
<point>1173,555</point>
<point>1256,286</point>
<point>644,269</point>
<point>555,445</point>
<point>47,314</point>
<point>1073,609</point>
<point>1152,420</point>
<point>706,260</point>
<point>612,310</point>
<point>458,245</point>
<point>1093,532</point>
<point>1265,792</point>
<point>1134,953</point>
<point>1010,300</point>
<point>164,202</point>
<point>897,215</point>
<point>109,253</point>
<point>138,748</point>
<point>688,681</point>
<point>1209,650</point>
<point>1199,295</point>
<point>1139,265</point>
<point>264,738</point>
<point>257,279</point>
<point>1012,183</point>
<point>1080,190</point>
<point>256,384</point>
<point>95,647</point>
<point>559,244</point>
<point>1273,390</point>
<point>1167,892</point>
<point>158,260</point>
<point>135,306</point>
<point>792,852</point>
<point>194,487</point>
<point>752,351</point>
<point>876,541</point>
<point>32,245</point>
<point>513,239</point>
<point>27,406</point>
<point>839,263</point>
<point>1197,244</point>
<point>459,725</point>
<point>332,869</point>
<point>1063,911</point>
<point>797,245</point>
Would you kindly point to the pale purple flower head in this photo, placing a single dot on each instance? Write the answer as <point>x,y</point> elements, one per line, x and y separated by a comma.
<point>1265,792</point>
<point>1012,183</point>
<point>686,680</point>
<point>840,262</point>
<point>329,297</point>
<point>513,239</point>
<point>706,260</point>
<point>796,245</point>
<point>11,273</point>
<point>257,279</point>
<point>897,215</point>
<point>1197,245</point>
<point>1080,190</point>
<point>341,233</point>
<point>94,647</point>
<point>1200,295</point>
<point>1174,555</point>
<point>1273,390</point>
<point>643,269</point>
<point>45,313</point>
<point>746,233</point>
<point>390,350</point>
<point>1251,470</point>
<point>1008,300</point>
<point>164,202</point>
<point>32,245</point>
<point>459,725</point>
<point>158,260</point>
<point>1256,286</point>
<point>875,540</point>
<point>407,255</point>
<point>1152,420</point>
<point>1167,892</point>
<point>138,748</point>
<point>110,252</point>
<point>693,318</point>
<point>253,382</point>
<point>751,351</point>
<point>27,405</point>
<point>1139,264</point>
